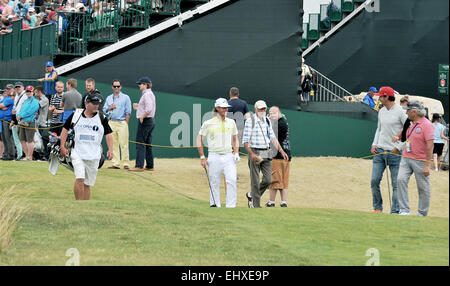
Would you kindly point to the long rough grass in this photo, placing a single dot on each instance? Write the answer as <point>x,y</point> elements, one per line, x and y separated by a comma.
<point>163,218</point>
<point>12,210</point>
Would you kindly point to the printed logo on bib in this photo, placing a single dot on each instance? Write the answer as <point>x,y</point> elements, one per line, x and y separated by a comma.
<point>89,127</point>
<point>87,137</point>
<point>418,130</point>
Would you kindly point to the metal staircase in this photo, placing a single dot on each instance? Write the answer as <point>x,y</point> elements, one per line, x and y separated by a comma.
<point>327,90</point>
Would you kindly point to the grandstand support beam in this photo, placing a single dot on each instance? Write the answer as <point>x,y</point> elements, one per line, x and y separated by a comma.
<point>337,27</point>
<point>174,21</point>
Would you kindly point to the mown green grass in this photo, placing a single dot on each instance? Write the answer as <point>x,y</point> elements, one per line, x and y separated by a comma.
<point>137,219</point>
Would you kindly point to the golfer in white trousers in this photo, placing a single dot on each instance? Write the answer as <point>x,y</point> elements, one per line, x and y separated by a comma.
<point>223,153</point>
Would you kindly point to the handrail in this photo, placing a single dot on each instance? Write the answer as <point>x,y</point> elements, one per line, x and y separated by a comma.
<point>327,90</point>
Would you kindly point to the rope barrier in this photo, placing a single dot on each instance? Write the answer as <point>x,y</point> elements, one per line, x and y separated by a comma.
<point>244,154</point>
<point>36,128</point>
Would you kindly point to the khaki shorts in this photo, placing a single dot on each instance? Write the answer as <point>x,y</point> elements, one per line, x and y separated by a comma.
<point>27,134</point>
<point>280,174</point>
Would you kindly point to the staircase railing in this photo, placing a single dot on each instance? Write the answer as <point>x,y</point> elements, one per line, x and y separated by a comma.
<point>327,90</point>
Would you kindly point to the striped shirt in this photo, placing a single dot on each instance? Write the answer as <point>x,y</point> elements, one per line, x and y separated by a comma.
<point>147,104</point>
<point>56,101</point>
<point>260,135</point>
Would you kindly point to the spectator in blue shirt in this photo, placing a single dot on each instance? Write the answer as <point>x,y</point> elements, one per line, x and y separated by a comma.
<point>22,8</point>
<point>27,123</point>
<point>118,109</point>
<point>368,99</point>
<point>6,106</point>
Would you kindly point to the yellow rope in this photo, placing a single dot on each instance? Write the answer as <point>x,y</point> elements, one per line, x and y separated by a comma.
<point>243,154</point>
<point>36,128</point>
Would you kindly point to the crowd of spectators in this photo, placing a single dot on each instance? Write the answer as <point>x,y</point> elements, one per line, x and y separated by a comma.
<point>41,12</point>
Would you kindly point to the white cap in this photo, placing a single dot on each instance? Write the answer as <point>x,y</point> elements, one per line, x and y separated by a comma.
<point>260,104</point>
<point>31,9</point>
<point>221,102</point>
<point>79,5</point>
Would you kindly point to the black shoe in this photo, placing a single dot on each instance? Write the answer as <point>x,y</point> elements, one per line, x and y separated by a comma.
<point>213,206</point>
<point>283,205</point>
<point>270,205</point>
<point>7,159</point>
<point>249,198</point>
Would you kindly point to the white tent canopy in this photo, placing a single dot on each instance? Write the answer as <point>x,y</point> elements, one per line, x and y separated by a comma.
<point>433,105</point>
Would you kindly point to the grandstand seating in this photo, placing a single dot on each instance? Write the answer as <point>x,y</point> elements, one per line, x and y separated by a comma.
<point>321,23</point>
<point>75,30</point>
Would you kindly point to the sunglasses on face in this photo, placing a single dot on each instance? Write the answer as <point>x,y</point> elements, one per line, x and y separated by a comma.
<point>116,86</point>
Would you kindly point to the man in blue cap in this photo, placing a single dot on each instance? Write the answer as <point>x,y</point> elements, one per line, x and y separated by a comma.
<point>368,99</point>
<point>145,113</point>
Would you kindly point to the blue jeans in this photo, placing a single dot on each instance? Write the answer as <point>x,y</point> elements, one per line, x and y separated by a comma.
<point>378,166</point>
<point>305,96</point>
<point>144,135</point>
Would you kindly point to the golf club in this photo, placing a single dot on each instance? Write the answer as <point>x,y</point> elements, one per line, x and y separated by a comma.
<point>210,190</point>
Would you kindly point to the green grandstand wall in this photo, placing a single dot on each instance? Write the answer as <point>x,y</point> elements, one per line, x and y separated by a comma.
<point>310,134</point>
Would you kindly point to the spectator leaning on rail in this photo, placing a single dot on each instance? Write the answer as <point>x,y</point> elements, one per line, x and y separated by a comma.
<point>368,99</point>
<point>223,153</point>
<point>439,142</point>
<point>42,120</point>
<point>27,123</point>
<point>86,153</point>
<point>417,154</point>
<point>391,118</point>
<point>258,133</point>
<point>118,109</point>
<point>6,106</point>
<point>280,167</point>
<point>145,113</point>
<point>30,19</point>
<point>50,78</point>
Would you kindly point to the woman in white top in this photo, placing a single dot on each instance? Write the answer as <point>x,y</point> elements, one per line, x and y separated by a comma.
<point>439,142</point>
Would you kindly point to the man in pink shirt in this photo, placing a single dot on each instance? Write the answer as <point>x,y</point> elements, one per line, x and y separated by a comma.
<point>417,154</point>
<point>145,113</point>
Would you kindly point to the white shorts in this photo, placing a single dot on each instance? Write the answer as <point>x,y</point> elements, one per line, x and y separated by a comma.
<point>85,169</point>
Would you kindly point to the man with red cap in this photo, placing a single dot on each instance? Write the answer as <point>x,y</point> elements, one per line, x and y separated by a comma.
<point>391,118</point>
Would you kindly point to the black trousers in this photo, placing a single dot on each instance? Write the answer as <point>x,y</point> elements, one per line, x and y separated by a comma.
<point>144,135</point>
<point>44,135</point>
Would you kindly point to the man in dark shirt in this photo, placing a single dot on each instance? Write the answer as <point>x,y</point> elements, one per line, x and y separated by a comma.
<point>91,90</point>
<point>238,111</point>
<point>280,167</point>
